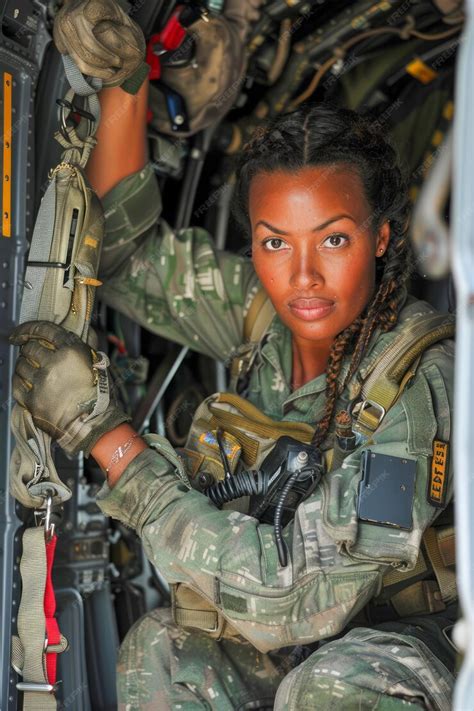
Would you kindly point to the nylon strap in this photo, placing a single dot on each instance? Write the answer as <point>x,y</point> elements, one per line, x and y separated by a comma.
<point>32,621</point>
<point>425,596</point>
<point>32,453</point>
<point>52,628</point>
<point>41,242</point>
<point>256,322</point>
<point>191,609</point>
<point>249,425</point>
<point>445,576</point>
<point>202,619</point>
<point>249,419</point>
<point>83,88</point>
<point>258,317</point>
<point>386,380</point>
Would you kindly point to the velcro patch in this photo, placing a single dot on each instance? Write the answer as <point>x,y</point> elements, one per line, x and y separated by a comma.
<point>437,483</point>
<point>234,603</point>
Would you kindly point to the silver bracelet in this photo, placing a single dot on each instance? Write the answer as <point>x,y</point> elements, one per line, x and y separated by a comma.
<point>120,453</point>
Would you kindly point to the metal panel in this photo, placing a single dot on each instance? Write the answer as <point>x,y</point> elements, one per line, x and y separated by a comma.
<point>18,76</point>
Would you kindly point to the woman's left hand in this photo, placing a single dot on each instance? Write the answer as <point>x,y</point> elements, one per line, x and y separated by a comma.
<point>64,384</point>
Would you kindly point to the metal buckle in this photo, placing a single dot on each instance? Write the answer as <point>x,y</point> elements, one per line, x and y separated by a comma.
<point>365,404</point>
<point>36,687</point>
<point>44,518</point>
<point>58,648</point>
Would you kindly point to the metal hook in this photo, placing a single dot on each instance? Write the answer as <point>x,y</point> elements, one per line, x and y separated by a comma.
<point>43,517</point>
<point>69,107</point>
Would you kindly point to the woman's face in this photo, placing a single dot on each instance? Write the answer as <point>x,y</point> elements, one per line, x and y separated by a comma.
<point>313,247</point>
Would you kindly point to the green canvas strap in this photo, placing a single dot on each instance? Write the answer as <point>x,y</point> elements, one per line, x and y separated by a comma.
<point>392,370</point>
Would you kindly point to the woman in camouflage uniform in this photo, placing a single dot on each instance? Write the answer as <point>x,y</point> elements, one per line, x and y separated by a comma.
<point>322,196</point>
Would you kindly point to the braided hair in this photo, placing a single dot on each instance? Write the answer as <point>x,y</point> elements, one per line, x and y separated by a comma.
<point>321,134</point>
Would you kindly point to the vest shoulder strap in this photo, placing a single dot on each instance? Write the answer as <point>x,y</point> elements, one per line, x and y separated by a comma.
<point>258,317</point>
<point>387,377</point>
<point>256,323</point>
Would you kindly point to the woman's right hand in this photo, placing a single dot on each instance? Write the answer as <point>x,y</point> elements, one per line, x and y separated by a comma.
<point>64,385</point>
<point>100,37</point>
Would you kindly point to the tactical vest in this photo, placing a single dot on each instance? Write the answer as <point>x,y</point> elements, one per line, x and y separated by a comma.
<point>251,434</point>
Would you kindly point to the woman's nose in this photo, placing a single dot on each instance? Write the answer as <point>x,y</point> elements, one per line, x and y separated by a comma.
<point>305,271</point>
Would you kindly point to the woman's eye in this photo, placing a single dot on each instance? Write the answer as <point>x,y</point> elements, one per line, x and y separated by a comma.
<point>273,244</point>
<point>336,240</point>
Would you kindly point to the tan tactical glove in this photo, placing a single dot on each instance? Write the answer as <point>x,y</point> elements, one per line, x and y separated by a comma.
<point>102,40</point>
<point>64,385</point>
<point>212,80</point>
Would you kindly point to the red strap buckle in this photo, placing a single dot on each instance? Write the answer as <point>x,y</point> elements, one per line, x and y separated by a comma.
<point>169,38</point>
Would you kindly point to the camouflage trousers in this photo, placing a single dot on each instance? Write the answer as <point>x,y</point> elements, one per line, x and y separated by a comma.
<point>397,665</point>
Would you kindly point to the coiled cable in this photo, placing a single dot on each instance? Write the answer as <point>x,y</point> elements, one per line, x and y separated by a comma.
<point>245,483</point>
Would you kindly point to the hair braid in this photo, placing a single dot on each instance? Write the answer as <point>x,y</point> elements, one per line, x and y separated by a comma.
<point>333,369</point>
<point>322,135</point>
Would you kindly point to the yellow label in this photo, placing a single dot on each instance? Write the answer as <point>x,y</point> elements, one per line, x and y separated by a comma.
<point>437,482</point>
<point>90,242</point>
<point>7,155</point>
<point>421,71</point>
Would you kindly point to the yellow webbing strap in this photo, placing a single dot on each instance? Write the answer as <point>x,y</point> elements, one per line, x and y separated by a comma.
<point>395,366</point>
<point>248,421</point>
<point>254,420</point>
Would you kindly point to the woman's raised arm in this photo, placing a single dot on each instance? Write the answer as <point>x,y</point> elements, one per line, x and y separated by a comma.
<point>121,138</point>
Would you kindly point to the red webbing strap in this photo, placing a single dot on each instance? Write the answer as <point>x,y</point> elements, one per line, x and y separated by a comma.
<point>52,629</point>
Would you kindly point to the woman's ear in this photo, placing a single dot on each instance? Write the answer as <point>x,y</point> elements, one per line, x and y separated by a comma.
<point>383,238</point>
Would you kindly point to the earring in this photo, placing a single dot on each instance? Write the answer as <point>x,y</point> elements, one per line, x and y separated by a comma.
<point>381,251</point>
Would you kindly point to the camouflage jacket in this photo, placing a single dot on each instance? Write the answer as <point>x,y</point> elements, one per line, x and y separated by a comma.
<point>182,288</point>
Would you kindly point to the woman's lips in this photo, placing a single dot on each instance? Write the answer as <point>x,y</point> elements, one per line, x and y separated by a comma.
<point>311,309</point>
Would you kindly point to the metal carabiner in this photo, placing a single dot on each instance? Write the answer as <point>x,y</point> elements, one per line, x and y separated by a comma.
<point>70,108</point>
<point>49,526</point>
<point>43,518</point>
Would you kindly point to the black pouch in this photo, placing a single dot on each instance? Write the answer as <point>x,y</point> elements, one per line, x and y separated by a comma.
<point>387,490</point>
